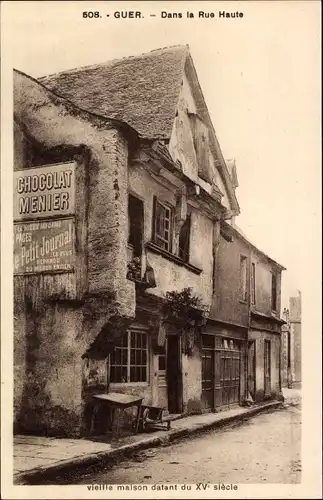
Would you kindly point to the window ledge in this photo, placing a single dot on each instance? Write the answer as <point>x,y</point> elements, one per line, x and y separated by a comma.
<point>115,385</point>
<point>174,258</point>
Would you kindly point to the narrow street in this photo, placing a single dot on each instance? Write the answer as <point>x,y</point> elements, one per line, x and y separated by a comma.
<point>266,448</point>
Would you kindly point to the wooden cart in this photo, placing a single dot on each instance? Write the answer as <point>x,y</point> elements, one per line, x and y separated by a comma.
<point>153,417</point>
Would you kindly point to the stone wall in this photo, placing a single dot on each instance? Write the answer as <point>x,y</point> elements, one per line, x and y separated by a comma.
<point>59,317</point>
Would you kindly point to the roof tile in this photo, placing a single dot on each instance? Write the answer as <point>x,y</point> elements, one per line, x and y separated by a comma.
<point>141,90</point>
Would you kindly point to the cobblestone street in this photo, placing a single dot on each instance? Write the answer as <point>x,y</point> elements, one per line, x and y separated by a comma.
<point>266,448</point>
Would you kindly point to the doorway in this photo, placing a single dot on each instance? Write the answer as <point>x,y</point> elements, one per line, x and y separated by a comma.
<point>208,372</point>
<point>227,364</point>
<point>174,381</point>
<point>252,368</point>
<point>267,368</point>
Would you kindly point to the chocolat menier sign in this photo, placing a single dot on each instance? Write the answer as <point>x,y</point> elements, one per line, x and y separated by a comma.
<point>44,231</point>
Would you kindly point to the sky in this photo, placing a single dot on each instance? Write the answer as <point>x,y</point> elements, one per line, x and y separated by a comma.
<point>260,76</point>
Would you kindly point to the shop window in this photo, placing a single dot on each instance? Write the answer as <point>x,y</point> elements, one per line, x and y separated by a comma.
<point>243,278</point>
<point>129,360</point>
<point>184,240</point>
<point>208,341</point>
<point>163,225</point>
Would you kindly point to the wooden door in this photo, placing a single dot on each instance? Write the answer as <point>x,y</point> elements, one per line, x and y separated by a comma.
<point>174,382</point>
<point>162,399</point>
<point>227,380</point>
<point>208,372</point>
<point>267,368</point>
<point>252,368</point>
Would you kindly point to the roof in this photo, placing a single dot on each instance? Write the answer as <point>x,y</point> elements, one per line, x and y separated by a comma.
<point>237,230</point>
<point>141,90</point>
<point>25,92</point>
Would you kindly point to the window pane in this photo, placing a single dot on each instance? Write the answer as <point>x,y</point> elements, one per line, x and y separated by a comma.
<point>143,374</point>
<point>132,357</point>
<point>117,360</point>
<point>123,374</point>
<point>124,355</point>
<point>132,374</point>
<point>144,340</point>
<point>135,374</point>
<point>124,341</point>
<point>144,357</point>
<point>138,357</point>
<point>116,374</point>
<point>112,374</point>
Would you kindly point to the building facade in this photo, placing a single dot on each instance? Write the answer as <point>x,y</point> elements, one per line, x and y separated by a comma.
<point>245,318</point>
<point>292,344</point>
<point>129,274</point>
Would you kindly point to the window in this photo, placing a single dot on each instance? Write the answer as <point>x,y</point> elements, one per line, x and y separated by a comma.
<point>135,224</point>
<point>230,344</point>
<point>243,278</point>
<point>163,225</point>
<point>274,292</point>
<point>253,283</point>
<point>128,362</point>
<point>184,240</point>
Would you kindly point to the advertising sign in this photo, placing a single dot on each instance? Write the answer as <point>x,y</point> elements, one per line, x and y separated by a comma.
<point>44,191</point>
<point>44,246</point>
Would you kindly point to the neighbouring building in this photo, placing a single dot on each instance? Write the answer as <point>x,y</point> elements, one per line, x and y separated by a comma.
<point>130,275</point>
<point>291,344</point>
<point>245,317</point>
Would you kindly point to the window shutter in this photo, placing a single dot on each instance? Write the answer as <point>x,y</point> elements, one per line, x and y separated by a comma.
<point>202,148</point>
<point>184,239</point>
<point>154,218</point>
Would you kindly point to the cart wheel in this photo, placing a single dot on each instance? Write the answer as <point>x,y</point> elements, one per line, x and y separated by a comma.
<point>144,417</point>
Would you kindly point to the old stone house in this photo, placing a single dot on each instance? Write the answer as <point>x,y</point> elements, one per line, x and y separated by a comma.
<point>124,209</point>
